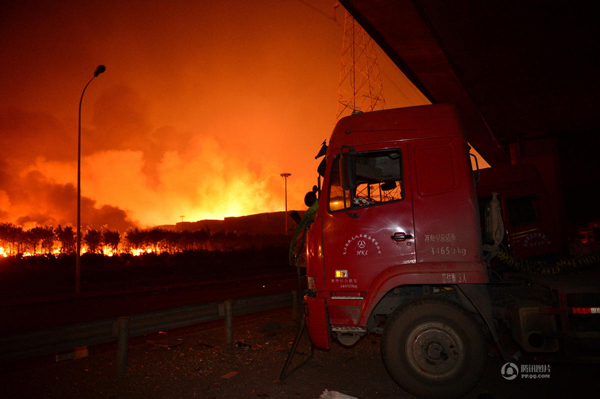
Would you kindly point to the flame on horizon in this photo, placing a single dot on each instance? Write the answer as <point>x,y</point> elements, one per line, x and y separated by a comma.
<point>202,182</point>
<point>198,116</point>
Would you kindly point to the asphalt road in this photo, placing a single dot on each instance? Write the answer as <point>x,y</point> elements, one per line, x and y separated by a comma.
<point>194,362</point>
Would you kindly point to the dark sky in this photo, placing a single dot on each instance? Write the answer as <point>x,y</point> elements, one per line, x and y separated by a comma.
<point>203,104</point>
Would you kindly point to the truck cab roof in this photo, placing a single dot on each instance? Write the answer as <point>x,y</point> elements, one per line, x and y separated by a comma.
<point>416,123</point>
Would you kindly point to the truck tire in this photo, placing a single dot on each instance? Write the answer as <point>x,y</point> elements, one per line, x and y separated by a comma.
<point>433,348</point>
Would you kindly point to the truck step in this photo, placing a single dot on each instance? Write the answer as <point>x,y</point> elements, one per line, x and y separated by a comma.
<point>349,329</point>
<point>348,297</point>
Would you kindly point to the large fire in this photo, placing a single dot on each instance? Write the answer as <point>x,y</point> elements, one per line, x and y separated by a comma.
<point>14,241</point>
<point>197,121</point>
<point>84,249</point>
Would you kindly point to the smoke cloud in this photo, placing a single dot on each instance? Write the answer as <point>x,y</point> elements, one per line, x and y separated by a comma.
<point>203,105</point>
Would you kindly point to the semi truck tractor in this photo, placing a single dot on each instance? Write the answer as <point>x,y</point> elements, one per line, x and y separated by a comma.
<point>393,246</point>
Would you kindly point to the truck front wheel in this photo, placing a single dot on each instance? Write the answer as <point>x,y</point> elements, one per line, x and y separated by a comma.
<point>434,348</point>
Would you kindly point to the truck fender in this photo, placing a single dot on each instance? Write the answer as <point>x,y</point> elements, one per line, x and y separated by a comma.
<point>422,274</point>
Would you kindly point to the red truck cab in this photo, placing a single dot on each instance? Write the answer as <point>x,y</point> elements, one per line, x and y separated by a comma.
<point>398,223</point>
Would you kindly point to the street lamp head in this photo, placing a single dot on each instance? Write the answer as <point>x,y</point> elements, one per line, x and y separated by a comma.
<point>99,70</point>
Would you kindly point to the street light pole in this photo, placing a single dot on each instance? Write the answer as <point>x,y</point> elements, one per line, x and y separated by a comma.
<point>99,70</point>
<point>285,176</point>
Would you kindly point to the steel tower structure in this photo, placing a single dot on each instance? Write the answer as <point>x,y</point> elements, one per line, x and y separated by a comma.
<point>360,87</point>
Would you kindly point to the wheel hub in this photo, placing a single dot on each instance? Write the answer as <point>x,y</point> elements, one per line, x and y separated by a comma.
<point>435,350</point>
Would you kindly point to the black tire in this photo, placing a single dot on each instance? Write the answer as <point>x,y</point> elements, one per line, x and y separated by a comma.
<point>433,348</point>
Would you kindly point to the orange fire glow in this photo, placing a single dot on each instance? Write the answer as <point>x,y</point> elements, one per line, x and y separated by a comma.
<point>106,251</point>
<point>203,105</point>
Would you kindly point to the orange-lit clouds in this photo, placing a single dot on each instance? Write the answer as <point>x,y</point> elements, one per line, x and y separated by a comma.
<point>202,106</point>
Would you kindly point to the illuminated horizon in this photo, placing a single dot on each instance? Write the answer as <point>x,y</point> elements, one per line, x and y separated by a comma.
<point>197,116</point>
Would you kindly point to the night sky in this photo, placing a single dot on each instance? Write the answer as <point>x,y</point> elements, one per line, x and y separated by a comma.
<point>203,104</point>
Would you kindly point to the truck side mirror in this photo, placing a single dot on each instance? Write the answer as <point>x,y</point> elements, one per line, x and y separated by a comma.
<point>310,198</point>
<point>348,171</point>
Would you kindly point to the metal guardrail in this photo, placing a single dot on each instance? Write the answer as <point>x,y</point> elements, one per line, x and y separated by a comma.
<point>43,342</point>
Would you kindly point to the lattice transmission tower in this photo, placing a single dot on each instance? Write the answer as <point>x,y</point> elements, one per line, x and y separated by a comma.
<point>360,87</point>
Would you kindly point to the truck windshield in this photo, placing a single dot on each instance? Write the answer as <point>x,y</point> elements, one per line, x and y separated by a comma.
<point>379,177</point>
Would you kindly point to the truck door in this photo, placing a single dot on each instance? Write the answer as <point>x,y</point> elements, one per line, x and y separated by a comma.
<point>374,229</point>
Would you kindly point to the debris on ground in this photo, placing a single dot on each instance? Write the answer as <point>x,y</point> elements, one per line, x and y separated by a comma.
<point>165,342</point>
<point>229,375</point>
<point>204,366</point>
<point>335,395</point>
<point>241,344</point>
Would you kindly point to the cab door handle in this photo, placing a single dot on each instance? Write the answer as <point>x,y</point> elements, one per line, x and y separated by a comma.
<point>401,236</point>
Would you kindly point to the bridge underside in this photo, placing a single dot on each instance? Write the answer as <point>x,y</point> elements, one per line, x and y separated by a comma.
<point>522,73</point>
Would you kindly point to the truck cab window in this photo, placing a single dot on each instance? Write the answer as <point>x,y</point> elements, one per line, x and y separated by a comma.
<point>523,210</point>
<point>379,177</point>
